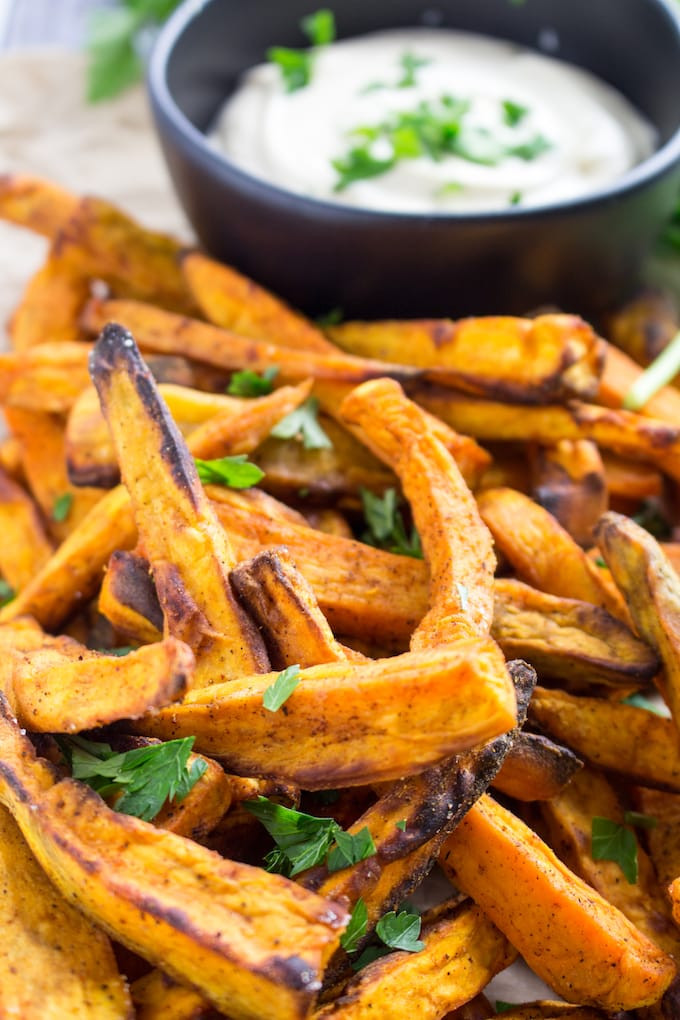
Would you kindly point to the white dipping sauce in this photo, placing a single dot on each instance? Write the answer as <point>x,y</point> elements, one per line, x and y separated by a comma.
<point>291,139</point>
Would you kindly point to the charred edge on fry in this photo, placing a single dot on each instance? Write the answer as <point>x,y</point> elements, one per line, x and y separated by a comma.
<point>132,584</point>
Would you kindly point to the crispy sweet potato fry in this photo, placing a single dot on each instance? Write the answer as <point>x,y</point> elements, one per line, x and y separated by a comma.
<point>25,547</point>
<point>629,480</point>
<point>37,204</point>
<point>663,841</point>
<point>128,598</point>
<point>568,817</point>
<point>189,552</point>
<point>550,915</point>
<point>652,591</point>
<point>53,962</point>
<point>232,301</point>
<point>50,307</point>
<point>541,551</point>
<point>253,943</point>
<point>524,360</point>
<point>456,543</point>
<point>70,689</point>
<point>567,639</point>
<point>165,333</point>
<point>284,607</point>
<point>462,952</point>
<point>623,739</point>
<point>620,372</point>
<point>569,481</point>
<point>158,997</point>
<point>47,377</point>
<point>644,326</point>
<point>351,724</point>
<point>635,436</point>
<point>535,768</point>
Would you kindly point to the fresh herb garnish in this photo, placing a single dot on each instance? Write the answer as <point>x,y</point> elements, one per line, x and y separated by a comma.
<point>400,931</point>
<point>662,370</point>
<point>7,593</point>
<point>350,849</point>
<point>450,188</point>
<point>112,44</point>
<point>235,472</point>
<point>613,842</point>
<point>410,63</point>
<point>250,384</point>
<point>639,820</point>
<point>358,165</point>
<point>640,701</point>
<point>296,65</point>
<point>120,650</point>
<point>513,113</point>
<point>599,562</point>
<point>500,1006</point>
<point>650,517</point>
<point>62,507</point>
<point>386,528</point>
<point>531,149</point>
<point>401,825</point>
<point>302,424</point>
<point>369,954</point>
<point>515,198</point>
<point>356,929</point>
<point>146,776</point>
<point>282,688</point>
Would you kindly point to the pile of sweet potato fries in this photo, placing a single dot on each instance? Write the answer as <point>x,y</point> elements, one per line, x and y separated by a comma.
<point>444,511</point>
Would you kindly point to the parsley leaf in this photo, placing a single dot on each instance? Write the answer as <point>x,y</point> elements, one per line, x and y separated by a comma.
<point>302,840</point>
<point>613,842</point>
<point>234,472</point>
<point>356,929</point>
<point>386,525</point>
<point>369,954</point>
<point>640,701</point>
<point>296,65</point>
<point>7,593</point>
<point>400,931</point>
<point>504,1007</point>
<point>358,165</point>
<point>410,63</point>
<point>250,384</point>
<point>282,688</point>
<point>639,820</point>
<point>513,113</point>
<point>302,424</point>
<point>515,198</point>
<point>532,149</point>
<point>350,849</point>
<point>62,507</point>
<point>401,825</point>
<point>146,776</point>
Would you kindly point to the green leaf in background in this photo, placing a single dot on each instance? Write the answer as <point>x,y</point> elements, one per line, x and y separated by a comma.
<point>250,384</point>
<point>302,840</point>
<point>386,528</point>
<point>62,507</point>
<point>350,849</point>
<point>282,688</point>
<point>233,472</point>
<point>296,65</point>
<point>400,931</point>
<point>302,424</point>
<point>613,842</point>
<point>356,929</point>
<point>319,27</point>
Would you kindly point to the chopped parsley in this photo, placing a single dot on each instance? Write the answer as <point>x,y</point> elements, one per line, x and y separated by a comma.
<point>401,825</point>
<point>386,528</point>
<point>613,842</point>
<point>513,113</point>
<point>145,777</point>
<point>62,507</point>
<point>303,424</point>
<point>296,66</point>
<point>639,820</point>
<point>234,472</point>
<point>350,849</point>
<point>640,701</point>
<point>662,370</point>
<point>7,593</point>
<point>515,198</point>
<point>410,63</point>
<point>400,931</point>
<point>282,688</point>
<point>356,929</point>
<point>250,384</point>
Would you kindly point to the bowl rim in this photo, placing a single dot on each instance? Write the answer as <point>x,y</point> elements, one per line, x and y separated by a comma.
<point>642,174</point>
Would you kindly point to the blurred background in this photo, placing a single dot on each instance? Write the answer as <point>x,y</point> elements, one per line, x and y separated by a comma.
<point>45,22</point>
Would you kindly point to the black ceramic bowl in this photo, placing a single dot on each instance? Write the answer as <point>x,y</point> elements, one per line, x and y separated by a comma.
<point>581,255</point>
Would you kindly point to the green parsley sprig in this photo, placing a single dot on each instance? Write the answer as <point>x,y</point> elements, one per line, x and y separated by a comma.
<point>303,424</point>
<point>142,779</point>
<point>279,692</point>
<point>386,528</point>
<point>233,472</point>
<point>62,507</point>
<point>7,592</point>
<point>250,384</point>
<point>613,842</point>
<point>296,66</point>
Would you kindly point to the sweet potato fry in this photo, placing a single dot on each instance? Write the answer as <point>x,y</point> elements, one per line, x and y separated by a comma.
<point>70,689</point>
<point>652,591</point>
<point>620,372</point>
<point>535,768</point>
<point>165,333</point>
<point>158,997</point>
<point>527,361</point>
<point>232,301</point>
<point>351,724</point>
<point>25,547</point>
<point>36,204</point>
<point>623,739</point>
<point>283,606</point>
<point>47,377</point>
<point>644,326</point>
<point>53,962</point>
<point>253,943</point>
<point>128,598</point>
<point>189,552</point>
<point>550,915</point>
<point>462,952</point>
<point>568,818</point>
<point>541,551</point>
<point>635,436</point>
<point>456,544</point>
<point>42,440</point>
<point>573,641</point>
<point>630,481</point>
<point>663,841</point>
<point>50,307</point>
<point>220,426</point>
<point>569,481</point>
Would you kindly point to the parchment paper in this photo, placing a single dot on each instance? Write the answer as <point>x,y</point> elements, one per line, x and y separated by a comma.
<point>108,149</point>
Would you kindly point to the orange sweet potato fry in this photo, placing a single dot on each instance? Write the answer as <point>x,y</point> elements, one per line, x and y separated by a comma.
<point>46,377</point>
<point>25,547</point>
<point>36,204</point>
<point>51,306</point>
<point>569,481</point>
<point>620,372</point>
